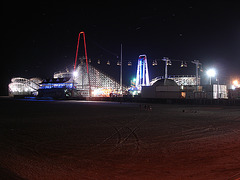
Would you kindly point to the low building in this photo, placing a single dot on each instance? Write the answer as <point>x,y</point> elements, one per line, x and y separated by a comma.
<point>216,91</point>
<point>56,88</point>
<point>191,92</point>
<point>234,93</point>
<point>163,88</point>
<point>169,89</point>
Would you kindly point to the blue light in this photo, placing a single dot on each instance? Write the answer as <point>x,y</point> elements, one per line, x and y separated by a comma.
<point>56,85</point>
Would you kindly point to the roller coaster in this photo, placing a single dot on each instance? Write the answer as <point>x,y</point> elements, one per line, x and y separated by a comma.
<point>23,87</point>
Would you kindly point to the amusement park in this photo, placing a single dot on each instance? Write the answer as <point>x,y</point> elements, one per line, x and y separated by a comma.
<point>120,90</point>
<point>86,80</point>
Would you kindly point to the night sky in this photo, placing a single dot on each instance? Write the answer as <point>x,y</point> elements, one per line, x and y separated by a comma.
<point>40,38</point>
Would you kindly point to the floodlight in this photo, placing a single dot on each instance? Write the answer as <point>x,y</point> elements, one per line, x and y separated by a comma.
<point>235,82</point>
<point>75,73</point>
<point>211,72</point>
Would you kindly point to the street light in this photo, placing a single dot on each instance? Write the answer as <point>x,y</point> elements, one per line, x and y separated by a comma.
<point>211,73</point>
<point>75,73</point>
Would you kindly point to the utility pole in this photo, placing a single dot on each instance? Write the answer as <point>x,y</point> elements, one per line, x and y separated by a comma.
<point>167,63</point>
<point>121,88</point>
<point>197,63</point>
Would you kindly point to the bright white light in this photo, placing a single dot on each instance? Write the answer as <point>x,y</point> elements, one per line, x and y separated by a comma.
<point>235,82</point>
<point>75,73</point>
<point>211,72</point>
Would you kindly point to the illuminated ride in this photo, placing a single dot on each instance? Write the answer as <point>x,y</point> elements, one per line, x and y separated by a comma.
<point>76,83</point>
<point>142,77</point>
<point>90,81</point>
<point>84,81</point>
<point>24,87</point>
<point>75,64</point>
<point>102,85</point>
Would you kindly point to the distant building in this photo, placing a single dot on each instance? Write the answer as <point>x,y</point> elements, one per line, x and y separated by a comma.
<point>184,87</point>
<point>234,93</point>
<point>163,88</point>
<point>51,83</point>
<point>56,88</point>
<point>216,91</point>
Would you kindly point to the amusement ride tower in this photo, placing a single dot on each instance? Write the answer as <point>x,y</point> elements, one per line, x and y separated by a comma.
<point>142,78</point>
<point>85,50</point>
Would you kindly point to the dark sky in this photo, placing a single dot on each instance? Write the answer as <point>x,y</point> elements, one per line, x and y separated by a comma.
<point>40,38</point>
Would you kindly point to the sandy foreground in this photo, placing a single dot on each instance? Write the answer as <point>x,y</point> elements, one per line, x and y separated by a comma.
<point>110,140</point>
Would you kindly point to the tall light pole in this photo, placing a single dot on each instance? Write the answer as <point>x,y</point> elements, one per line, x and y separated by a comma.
<point>121,88</point>
<point>217,79</point>
<point>211,73</point>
